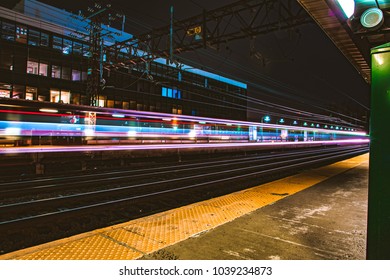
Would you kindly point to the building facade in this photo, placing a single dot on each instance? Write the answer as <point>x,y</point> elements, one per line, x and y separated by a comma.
<point>43,60</point>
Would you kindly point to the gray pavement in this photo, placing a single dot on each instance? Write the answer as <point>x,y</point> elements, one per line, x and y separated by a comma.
<point>324,222</point>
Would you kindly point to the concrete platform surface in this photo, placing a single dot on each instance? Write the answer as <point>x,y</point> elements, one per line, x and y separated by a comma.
<point>327,221</point>
<point>317,214</point>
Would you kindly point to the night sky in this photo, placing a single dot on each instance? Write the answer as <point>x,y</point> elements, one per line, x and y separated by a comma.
<point>303,68</point>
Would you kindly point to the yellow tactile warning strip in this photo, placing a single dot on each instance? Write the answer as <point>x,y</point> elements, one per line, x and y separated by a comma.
<point>133,239</point>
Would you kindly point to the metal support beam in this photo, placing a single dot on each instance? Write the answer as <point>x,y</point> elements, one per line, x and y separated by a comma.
<point>245,18</point>
<point>378,232</point>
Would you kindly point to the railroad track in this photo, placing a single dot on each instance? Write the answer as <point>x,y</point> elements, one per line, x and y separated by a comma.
<point>28,204</point>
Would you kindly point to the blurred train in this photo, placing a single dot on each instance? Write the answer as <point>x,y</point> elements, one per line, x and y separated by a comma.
<point>26,122</point>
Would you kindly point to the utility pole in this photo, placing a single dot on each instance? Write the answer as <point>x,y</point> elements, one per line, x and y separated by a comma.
<point>94,62</point>
<point>99,14</point>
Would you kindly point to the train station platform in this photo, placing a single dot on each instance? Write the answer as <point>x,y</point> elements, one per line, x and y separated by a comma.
<point>317,214</point>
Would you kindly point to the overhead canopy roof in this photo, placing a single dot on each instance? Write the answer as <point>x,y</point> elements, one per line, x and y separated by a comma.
<point>355,46</point>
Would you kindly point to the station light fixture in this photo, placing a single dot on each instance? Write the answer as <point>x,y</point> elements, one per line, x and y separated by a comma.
<point>363,15</point>
<point>266,118</point>
<point>281,120</point>
<point>295,122</point>
<point>372,18</point>
<point>48,110</point>
<point>347,6</point>
<point>118,115</point>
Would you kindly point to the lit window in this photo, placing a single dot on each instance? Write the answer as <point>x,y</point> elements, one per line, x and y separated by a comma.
<point>33,37</point>
<point>32,67</point>
<point>5,90</point>
<point>21,34</point>
<point>44,40</point>
<point>58,96</point>
<point>8,31</point>
<point>18,91</point>
<point>67,47</point>
<point>43,68</point>
<point>31,93</point>
<point>57,43</point>
<point>77,48</point>
<point>76,75</point>
<point>171,93</point>
<point>56,71</point>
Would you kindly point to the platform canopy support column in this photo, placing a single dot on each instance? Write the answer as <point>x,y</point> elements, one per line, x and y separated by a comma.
<point>378,232</point>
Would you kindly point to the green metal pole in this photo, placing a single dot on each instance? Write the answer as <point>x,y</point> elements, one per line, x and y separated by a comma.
<point>378,230</point>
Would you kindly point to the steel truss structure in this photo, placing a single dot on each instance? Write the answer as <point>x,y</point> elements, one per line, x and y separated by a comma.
<point>209,29</point>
